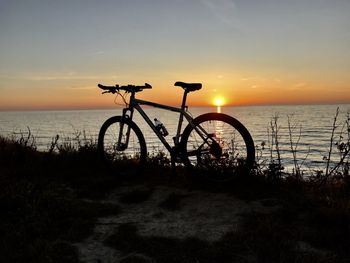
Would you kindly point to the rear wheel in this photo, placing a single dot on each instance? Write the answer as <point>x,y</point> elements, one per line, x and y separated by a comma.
<point>125,157</point>
<point>218,147</point>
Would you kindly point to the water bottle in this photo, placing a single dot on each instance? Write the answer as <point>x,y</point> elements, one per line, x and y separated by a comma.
<point>160,127</point>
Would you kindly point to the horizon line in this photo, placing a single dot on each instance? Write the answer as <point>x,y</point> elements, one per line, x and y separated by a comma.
<point>196,106</point>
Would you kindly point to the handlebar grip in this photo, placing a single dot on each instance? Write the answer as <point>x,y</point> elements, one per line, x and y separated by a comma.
<point>108,89</point>
<point>105,87</point>
<point>147,86</point>
<point>112,89</point>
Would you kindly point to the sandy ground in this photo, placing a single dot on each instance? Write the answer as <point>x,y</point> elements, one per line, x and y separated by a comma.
<point>203,215</point>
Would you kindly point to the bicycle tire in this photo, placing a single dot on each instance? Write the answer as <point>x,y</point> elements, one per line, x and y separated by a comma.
<point>229,152</point>
<point>128,161</point>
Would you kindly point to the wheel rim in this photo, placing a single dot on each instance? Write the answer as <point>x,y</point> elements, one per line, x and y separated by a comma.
<point>222,156</point>
<point>125,156</point>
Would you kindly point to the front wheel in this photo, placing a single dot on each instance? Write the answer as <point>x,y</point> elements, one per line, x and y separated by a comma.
<point>218,146</point>
<point>122,146</point>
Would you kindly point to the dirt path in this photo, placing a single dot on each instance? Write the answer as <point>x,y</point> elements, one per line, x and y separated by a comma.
<point>167,212</point>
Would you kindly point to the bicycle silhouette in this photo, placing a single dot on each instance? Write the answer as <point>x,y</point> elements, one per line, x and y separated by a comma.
<point>215,145</point>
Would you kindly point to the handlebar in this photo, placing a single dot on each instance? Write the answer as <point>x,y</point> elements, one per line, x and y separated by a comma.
<point>127,88</point>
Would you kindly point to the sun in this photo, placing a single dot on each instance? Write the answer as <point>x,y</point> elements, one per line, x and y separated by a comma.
<point>218,101</point>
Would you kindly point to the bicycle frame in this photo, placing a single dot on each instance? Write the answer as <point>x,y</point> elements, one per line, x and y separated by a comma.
<point>136,104</point>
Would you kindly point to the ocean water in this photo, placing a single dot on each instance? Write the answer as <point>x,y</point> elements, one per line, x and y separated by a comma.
<point>312,122</point>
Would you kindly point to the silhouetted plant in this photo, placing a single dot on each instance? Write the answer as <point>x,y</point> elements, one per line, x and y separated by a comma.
<point>338,170</point>
<point>25,139</point>
<point>53,144</point>
<point>328,158</point>
<point>79,142</point>
<point>159,158</point>
<point>260,161</point>
<point>341,168</point>
<point>294,140</point>
<point>275,138</point>
<point>274,167</point>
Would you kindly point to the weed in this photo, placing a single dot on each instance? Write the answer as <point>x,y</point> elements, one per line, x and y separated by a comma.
<point>328,159</point>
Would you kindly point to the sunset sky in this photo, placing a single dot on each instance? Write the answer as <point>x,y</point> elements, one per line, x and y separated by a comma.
<point>251,52</point>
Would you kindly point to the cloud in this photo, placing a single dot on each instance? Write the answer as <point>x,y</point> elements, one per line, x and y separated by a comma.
<point>260,79</point>
<point>299,85</point>
<point>98,53</point>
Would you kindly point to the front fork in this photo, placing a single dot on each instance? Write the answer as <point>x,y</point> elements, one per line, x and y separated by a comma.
<point>127,115</point>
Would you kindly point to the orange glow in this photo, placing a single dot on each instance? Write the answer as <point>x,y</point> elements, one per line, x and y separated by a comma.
<point>236,90</point>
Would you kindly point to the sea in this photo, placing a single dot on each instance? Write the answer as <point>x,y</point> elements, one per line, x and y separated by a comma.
<point>310,128</point>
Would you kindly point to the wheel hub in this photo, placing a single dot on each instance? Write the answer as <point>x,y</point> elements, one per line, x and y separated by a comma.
<point>121,147</point>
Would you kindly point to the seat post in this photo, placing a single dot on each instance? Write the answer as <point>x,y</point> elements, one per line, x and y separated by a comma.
<point>183,105</point>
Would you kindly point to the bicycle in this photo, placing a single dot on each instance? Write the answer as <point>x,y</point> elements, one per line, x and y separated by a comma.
<point>214,144</point>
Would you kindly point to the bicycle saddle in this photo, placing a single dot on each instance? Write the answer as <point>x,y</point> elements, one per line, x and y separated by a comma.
<point>189,86</point>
